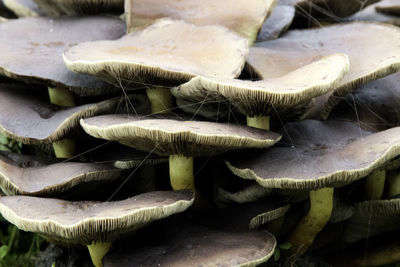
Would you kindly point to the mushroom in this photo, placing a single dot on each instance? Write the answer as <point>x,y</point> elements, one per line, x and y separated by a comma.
<point>178,139</point>
<point>90,223</point>
<point>28,118</point>
<point>317,156</point>
<point>371,14</point>
<point>19,177</point>
<point>151,55</point>
<point>256,99</point>
<point>240,16</point>
<point>198,246</point>
<point>370,58</point>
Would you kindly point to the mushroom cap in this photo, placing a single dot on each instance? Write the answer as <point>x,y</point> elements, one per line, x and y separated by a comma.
<point>371,14</point>
<point>166,135</point>
<point>318,154</point>
<point>254,98</point>
<point>194,50</point>
<point>82,222</point>
<point>372,218</point>
<point>31,50</point>
<point>32,120</point>
<point>23,8</point>
<point>370,58</point>
<point>198,246</point>
<point>48,179</point>
<point>56,8</point>
<point>277,23</point>
<point>241,16</point>
<point>389,7</point>
<point>374,106</point>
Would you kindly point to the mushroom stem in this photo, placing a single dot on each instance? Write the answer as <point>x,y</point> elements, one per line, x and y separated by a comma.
<point>374,184</point>
<point>97,251</point>
<point>393,181</point>
<point>321,205</point>
<point>61,97</point>
<point>260,122</point>
<point>64,148</point>
<point>160,99</point>
<point>181,172</point>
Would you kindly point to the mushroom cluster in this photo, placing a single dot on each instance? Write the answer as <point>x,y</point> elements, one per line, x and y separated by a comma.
<point>201,133</point>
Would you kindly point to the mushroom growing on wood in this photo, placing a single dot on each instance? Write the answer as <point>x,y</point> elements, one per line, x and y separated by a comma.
<point>90,223</point>
<point>178,139</point>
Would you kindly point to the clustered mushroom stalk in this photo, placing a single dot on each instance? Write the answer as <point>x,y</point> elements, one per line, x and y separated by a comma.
<point>181,172</point>
<point>260,122</point>
<point>160,99</point>
<point>321,206</point>
<point>65,148</point>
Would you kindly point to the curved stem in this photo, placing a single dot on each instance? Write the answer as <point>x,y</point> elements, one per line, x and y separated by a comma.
<point>160,99</point>
<point>321,205</point>
<point>181,172</point>
<point>260,122</point>
<point>374,184</point>
<point>97,251</point>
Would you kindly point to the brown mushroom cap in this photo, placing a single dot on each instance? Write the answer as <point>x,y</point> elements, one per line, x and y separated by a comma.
<point>166,135</point>
<point>48,179</point>
<point>23,8</point>
<point>31,50</point>
<point>153,53</point>
<point>32,120</point>
<point>374,106</point>
<point>199,246</point>
<point>318,154</point>
<point>370,58</point>
<point>83,222</point>
<point>254,98</point>
<point>55,8</point>
<point>241,16</point>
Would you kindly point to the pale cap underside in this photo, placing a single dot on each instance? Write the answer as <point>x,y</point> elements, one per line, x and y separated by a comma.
<point>166,135</point>
<point>254,98</point>
<point>87,221</point>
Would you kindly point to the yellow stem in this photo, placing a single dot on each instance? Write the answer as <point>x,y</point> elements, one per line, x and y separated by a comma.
<point>393,180</point>
<point>61,97</point>
<point>97,251</point>
<point>160,99</point>
<point>321,205</point>
<point>64,148</point>
<point>260,122</point>
<point>181,172</point>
